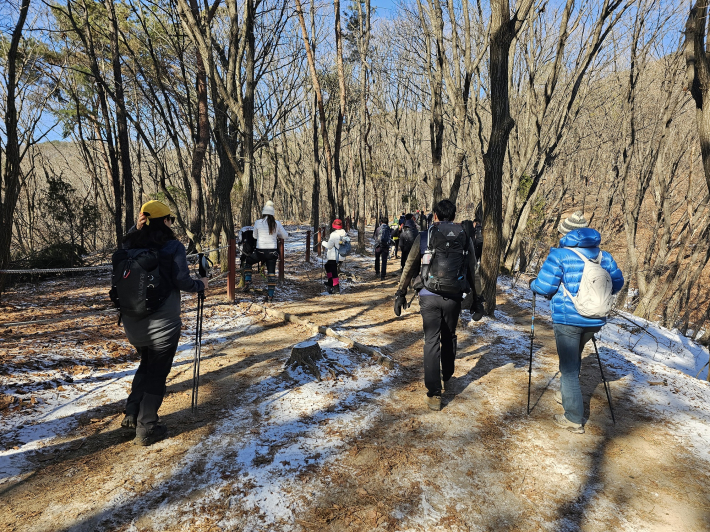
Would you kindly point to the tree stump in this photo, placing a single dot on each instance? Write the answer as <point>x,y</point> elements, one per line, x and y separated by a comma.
<point>305,354</point>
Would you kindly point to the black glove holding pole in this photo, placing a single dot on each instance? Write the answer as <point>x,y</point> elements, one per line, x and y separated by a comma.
<point>400,302</point>
<point>477,308</point>
<point>203,265</point>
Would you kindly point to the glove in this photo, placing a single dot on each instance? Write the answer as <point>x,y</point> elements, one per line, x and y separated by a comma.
<point>478,309</point>
<point>400,302</point>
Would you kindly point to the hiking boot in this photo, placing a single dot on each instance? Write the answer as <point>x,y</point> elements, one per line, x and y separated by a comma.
<point>562,422</point>
<point>129,422</point>
<point>434,402</point>
<point>330,289</point>
<point>247,287</point>
<point>336,289</point>
<point>155,434</point>
<point>558,397</point>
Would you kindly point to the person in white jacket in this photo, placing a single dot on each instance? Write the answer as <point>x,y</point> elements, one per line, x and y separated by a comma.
<point>267,231</point>
<point>331,266</point>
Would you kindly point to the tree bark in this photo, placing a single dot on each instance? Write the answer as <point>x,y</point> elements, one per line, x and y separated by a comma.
<point>124,145</point>
<point>363,42</point>
<point>339,189</point>
<point>202,140</point>
<point>698,76</point>
<point>321,110</point>
<point>493,159</point>
<point>13,159</point>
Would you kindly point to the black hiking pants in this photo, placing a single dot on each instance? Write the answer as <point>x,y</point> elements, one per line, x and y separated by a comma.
<point>403,257</point>
<point>382,254</point>
<point>440,316</point>
<point>152,373</point>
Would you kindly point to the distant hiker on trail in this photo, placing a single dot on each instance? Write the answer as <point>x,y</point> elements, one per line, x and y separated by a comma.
<point>247,256</point>
<point>478,237</point>
<point>383,239</point>
<point>396,230</point>
<point>334,257</point>
<point>154,332</point>
<point>422,221</point>
<point>401,218</point>
<point>581,295</point>
<point>267,231</point>
<point>407,237</point>
<point>443,263</point>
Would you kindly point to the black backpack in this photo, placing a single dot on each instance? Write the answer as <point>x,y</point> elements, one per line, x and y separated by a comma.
<point>478,237</point>
<point>247,241</point>
<point>445,259</point>
<point>136,286</point>
<point>407,237</point>
<point>384,235</point>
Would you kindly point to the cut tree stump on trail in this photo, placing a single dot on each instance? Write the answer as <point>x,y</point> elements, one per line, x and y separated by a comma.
<point>376,355</point>
<point>305,354</point>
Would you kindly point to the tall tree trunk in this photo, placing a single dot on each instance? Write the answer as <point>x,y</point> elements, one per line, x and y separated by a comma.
<point>202,136</point>
<point>124,146</point>
<point>86,37</point>
<point>501,126</point>
<point>502,30</point>
<point>698,76</point>
<point>315,194</point>
<point>363,42</point>
<point>13,159</point>
<point>248,110</point>
<point>436,125</point>
<point>321,110</point>
<point>341,112</point>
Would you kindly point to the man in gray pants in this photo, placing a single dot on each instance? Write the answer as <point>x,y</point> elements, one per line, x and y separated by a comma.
<point>448,267</point>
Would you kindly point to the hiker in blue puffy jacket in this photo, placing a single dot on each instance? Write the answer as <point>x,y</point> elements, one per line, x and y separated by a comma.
<point>572,330</point>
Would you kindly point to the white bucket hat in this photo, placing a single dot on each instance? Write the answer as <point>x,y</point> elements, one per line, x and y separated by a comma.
<point>269,208</point>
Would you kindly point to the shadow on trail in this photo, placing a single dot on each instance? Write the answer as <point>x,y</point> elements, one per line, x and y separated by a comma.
<point>102,440</point>
<point>238,453</point>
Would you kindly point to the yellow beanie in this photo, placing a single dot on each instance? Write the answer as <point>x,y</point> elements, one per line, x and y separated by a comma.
<point>155,209</point>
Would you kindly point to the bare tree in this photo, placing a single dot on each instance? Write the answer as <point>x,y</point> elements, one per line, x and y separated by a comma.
<point>503,29</point>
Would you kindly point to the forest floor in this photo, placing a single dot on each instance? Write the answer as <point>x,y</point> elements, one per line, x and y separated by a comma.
<point>272,448</point>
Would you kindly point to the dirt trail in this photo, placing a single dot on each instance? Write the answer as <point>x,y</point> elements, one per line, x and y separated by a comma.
<point>479,464</point>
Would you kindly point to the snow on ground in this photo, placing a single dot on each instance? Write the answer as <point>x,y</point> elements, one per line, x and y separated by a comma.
<point>59,398</point>
<point>302,424</point>
<point>289,424</point>
<point>659,367</point>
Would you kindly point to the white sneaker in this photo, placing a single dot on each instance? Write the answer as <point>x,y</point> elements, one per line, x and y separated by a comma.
<point>562,422</point>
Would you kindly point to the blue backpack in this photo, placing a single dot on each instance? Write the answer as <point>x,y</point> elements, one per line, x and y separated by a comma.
<point>344,247</point>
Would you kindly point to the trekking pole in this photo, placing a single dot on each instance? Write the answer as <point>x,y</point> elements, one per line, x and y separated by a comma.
<point>202,268</point>
<point>532,337</point>
<point>606,386</point>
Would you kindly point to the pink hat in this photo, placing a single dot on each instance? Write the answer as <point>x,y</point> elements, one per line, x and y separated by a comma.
<point>337,224</point>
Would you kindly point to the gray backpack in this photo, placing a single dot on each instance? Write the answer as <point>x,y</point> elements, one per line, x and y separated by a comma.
<point>594,298</point>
